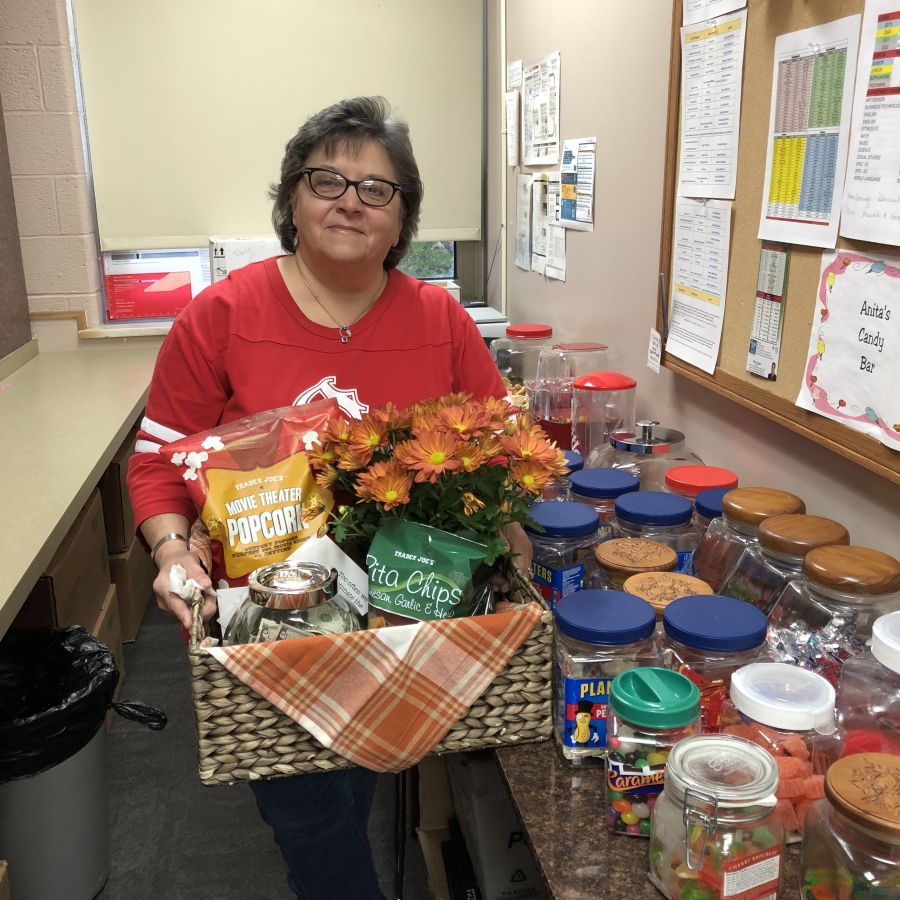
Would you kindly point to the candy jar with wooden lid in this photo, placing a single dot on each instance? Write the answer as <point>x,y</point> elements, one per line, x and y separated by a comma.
<point>620,558</point>
<point>659,589</point>
<point>708,506</point>
<point>765,569</point>
<point>851,839</point>
<point>743,509</point>
<point>688,481</point>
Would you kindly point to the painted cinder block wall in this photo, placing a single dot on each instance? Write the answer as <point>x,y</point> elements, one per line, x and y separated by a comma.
<point>37,86</point>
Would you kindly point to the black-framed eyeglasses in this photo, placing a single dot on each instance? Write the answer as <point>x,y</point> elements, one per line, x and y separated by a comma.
<point>330,185</point>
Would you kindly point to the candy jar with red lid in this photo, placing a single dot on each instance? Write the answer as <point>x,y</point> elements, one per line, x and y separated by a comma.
<point>602,404</point>
<point>516,355</point>
<point>688,481</point>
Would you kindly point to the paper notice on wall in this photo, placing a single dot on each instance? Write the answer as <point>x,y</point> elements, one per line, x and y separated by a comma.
<point>699,277</point>
<point>555,266</point>
<point>577,172</point>
<point>514,75</point>
<point>540,112</point>
<point>700,10</point>
<point>654,351</point>
<point>540,223</point>
<point>768,310</point>
<point>523,221</point>
<point>512,128</point>
<point>853,363</point>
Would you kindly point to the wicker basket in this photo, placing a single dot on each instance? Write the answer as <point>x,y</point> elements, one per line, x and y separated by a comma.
<point>242,737</point>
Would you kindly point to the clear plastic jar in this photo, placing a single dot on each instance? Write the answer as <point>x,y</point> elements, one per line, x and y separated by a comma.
<point>602,404</point>
<point>868,698</point>
<point>649,453</point>
<point>688,481</point>
<point>558,486</point>
<point>708,506</point>
<point>650,711</point>
<point>707,638</point>
<point>620,558</point>
<point>726,538</point>
<point>660,589</point>
<point>516,355</point>
<point>662,517</point>
<point>851,842</point>
<point>715,833</point>
<point>789,712</point>
<point>765,569</point>
<point>599,489</point>
<point>563,560</point>
<point>599,635</point>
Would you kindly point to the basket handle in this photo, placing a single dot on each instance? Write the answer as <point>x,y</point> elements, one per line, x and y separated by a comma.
<point>197,629</point>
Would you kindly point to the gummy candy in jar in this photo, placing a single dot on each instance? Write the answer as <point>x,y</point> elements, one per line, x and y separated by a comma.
<point>599,489</point>
<point>851,840</point>
<point>715,825</point>
<point>558,486</point>
<point>650,711</point>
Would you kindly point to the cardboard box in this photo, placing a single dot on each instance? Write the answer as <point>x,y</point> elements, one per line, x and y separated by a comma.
<point>73,589</point>
<point>228,254</point>
<point>451,287</point>
<point>4,882</point>
<point>117,513</point>
<point>430,840</point>
<point>132,573</point>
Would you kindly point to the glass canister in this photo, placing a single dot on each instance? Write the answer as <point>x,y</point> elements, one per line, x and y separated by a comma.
<point>558,486</point>
<point>851,842</point>
<point>602,404</point>
<point>558,367</point>
<point>660,589</point>
<point>563,560</point>
<point>599,635</point>
<point>707,638</point>
<point>650,711</point>
<point>599,489</point>
<point>620,558</point>
<point>715,833</point>
<point>662,517</point>
<point>516,355</point>
<point>707,506</point>
<point>765,569</point>
<point>789,712</point>
<point>688,481</point>
<point>725,539</point>
<point>649,453</point>
<point>868,698</point>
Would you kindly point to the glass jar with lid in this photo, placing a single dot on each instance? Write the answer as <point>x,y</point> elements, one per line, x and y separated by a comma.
<point>599,635</point>
<point>558,486</point>
<point>658,516</point>
<point>599,489</point>
<point>650,711</point>
<point>649,453</point>
<point>707,506</point>
<point>688,481</point>
<point>620,558</point>
<point>851,840</point>
<point>707,638</point>
<point>725,539</point>
<point>868,698</point>
<point>602,404</point>
<point>563,553</point>
<point>516,355</point>
<point>765,569</point>
<point>660,589</point>
<point>715,832</point>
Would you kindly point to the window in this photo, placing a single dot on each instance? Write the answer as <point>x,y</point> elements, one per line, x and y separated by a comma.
<point>430,259</point>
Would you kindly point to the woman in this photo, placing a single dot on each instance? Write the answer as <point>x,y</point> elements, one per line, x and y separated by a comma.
<point>332,318</point>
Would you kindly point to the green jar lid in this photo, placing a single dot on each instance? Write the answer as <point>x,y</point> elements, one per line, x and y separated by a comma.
<point>655,698</point>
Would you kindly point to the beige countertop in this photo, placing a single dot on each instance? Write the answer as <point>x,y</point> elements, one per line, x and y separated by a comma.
<point>62,418</point>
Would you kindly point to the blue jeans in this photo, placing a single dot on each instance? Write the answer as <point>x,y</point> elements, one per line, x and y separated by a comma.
<point>320,826</point>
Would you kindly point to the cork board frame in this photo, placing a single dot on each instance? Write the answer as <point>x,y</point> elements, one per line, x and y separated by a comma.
<point>766,19</point>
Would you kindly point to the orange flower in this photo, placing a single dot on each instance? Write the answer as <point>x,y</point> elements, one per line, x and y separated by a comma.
<point>466,421</point>
<point>326,476</point>
<point>490,447</point>
<point>392,418</point>
<point>532,476</point>
<point>348,461</point>
<point>431,454</point>
<point>385,482</point>
<point>471,456</point>
<point>471,504</point>
<point>560,467</point>
<point>366,436</point>
<point>322,455</point>
<point>453,400</point>
<point>527,447</point>
<point>337,431</point>
<point>498,410</point>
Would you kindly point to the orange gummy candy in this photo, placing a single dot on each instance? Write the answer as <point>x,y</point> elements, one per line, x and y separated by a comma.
<point>814,787</point>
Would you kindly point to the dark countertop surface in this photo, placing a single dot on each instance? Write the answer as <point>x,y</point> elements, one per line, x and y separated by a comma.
<point>562,811</point>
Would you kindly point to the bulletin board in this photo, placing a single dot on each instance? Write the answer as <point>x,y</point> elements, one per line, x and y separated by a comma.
<point>766,20</point>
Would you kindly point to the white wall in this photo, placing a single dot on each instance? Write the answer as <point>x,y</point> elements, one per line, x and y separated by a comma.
<point>614,83</point>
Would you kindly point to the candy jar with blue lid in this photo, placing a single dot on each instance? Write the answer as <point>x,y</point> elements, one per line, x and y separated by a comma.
<point>707,506</point>
<point>563,552</point>
<point>599,489</point>
<point>599,635</point>
<point>707,638</point>
<point>558,486</point>
<point>662,517</point>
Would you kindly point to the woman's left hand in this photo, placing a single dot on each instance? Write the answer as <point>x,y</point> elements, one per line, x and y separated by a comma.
<point>518,543</point>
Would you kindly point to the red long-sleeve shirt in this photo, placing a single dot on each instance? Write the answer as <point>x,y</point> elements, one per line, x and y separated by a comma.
<point>243,346</point>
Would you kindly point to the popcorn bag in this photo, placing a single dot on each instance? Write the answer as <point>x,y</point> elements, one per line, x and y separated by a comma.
<point>252,485</point>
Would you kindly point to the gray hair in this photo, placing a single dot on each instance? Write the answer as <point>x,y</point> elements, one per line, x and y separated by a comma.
<point>348,124</point>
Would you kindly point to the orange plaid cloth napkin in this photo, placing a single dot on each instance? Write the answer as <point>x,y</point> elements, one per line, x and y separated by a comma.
<point>383,699</point>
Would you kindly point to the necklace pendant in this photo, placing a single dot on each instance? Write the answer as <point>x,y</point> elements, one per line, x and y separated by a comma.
<point>345,333</point>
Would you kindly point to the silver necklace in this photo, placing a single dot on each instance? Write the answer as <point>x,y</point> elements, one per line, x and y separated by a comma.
<point>343,327</point>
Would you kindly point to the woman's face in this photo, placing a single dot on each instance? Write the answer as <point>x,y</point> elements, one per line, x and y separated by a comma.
<point>346,230</point>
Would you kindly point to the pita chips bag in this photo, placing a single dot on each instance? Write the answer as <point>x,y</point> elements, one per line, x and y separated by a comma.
<point>254,491</point>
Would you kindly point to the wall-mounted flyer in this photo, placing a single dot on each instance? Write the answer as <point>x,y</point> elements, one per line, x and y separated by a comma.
<point>768,311</point>
<point>540,112</point>
<point>577,173</point>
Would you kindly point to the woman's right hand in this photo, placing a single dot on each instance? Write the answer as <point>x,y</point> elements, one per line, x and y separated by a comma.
<point>176,553</point>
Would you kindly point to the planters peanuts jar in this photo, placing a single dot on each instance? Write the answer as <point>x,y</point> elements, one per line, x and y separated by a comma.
<point>662,517</point>
<point>600,488</point>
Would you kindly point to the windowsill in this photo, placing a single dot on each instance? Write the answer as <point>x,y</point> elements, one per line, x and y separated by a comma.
<point>124,331</point>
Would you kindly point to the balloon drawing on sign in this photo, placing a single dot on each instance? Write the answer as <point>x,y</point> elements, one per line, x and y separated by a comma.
<point>871,415</point>
<point>841,403</point>
<point>830,281</point>
<point>820,348</point>
<point>877,268</point>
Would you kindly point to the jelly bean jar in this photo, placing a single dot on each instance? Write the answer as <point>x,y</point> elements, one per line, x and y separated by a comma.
<point>558,486</point>
<point>600,488</point>
<point>688,481</point>
<point>726,538</point>
<point>868,699</point>
<point>599,635</point>
<point>714,831</point>
<point>516,355</point>
<point>650,711</point>
<point>658,516</point>
<point>708,506</point>
<point>851,840</point>
<point>563,553</point>
<point>765,569</point>
<point>707,638</point>
<point>620,558</point>
<point>660,589</point>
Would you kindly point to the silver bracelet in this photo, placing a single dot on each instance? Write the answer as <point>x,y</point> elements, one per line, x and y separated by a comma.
<point>164,540</point>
